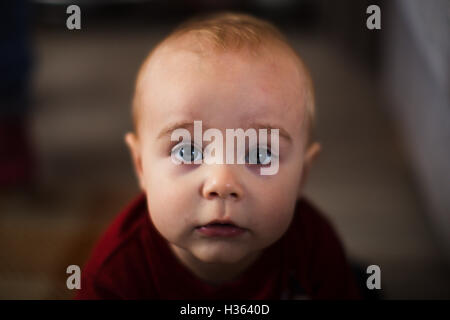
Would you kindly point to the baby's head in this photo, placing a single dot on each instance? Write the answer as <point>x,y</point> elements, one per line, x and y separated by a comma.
<point>229,71</point>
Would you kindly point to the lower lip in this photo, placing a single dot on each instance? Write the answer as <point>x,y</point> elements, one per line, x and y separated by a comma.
<point>220,231</point>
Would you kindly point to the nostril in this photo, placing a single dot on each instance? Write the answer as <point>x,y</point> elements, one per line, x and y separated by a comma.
<point>224,195</point>
<point>213,194</point>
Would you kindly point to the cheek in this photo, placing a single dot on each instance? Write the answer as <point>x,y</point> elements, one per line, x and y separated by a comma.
<point>276,215</point>
<point>170,199</point>
<point>277,198</point>
<point>281,188</point>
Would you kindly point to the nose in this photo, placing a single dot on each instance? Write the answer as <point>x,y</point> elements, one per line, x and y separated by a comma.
<point>222,183</point>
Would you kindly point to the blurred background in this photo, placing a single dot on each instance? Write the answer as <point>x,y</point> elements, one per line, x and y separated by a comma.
<point>383,120</point>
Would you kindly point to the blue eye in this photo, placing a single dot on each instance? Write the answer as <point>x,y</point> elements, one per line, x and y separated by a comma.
<point>186,153</point>
<point>259,156</point>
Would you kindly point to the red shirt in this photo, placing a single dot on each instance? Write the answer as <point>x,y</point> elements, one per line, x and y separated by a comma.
<point>133,261</point>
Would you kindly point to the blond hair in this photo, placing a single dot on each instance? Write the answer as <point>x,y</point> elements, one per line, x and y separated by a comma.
<point>232,31</point>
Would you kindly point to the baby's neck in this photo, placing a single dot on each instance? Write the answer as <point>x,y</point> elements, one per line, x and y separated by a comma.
<point>213,273</point>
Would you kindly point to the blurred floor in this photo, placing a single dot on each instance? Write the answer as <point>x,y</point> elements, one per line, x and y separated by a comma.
<point>83,86</point>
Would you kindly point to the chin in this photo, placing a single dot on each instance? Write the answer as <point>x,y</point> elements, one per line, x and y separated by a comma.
<point>222,256</point>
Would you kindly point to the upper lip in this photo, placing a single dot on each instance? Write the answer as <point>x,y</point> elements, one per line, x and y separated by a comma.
<point>220,221</point>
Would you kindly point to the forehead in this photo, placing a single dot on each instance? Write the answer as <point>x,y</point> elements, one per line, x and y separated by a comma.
<point>224,89</point>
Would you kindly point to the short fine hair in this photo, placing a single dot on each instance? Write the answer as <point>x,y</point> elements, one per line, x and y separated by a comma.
<point>232,31</point>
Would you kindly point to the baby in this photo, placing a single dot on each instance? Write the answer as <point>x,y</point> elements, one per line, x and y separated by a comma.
<point>208,229</point>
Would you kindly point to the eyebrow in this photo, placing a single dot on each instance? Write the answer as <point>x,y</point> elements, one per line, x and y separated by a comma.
<point>167,131</point>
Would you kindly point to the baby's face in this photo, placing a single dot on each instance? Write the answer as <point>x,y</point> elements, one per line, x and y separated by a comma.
<point>226,90</point>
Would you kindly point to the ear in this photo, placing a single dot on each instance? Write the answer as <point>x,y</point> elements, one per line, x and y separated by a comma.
<point>133,144</point>
<point>311,154</point>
